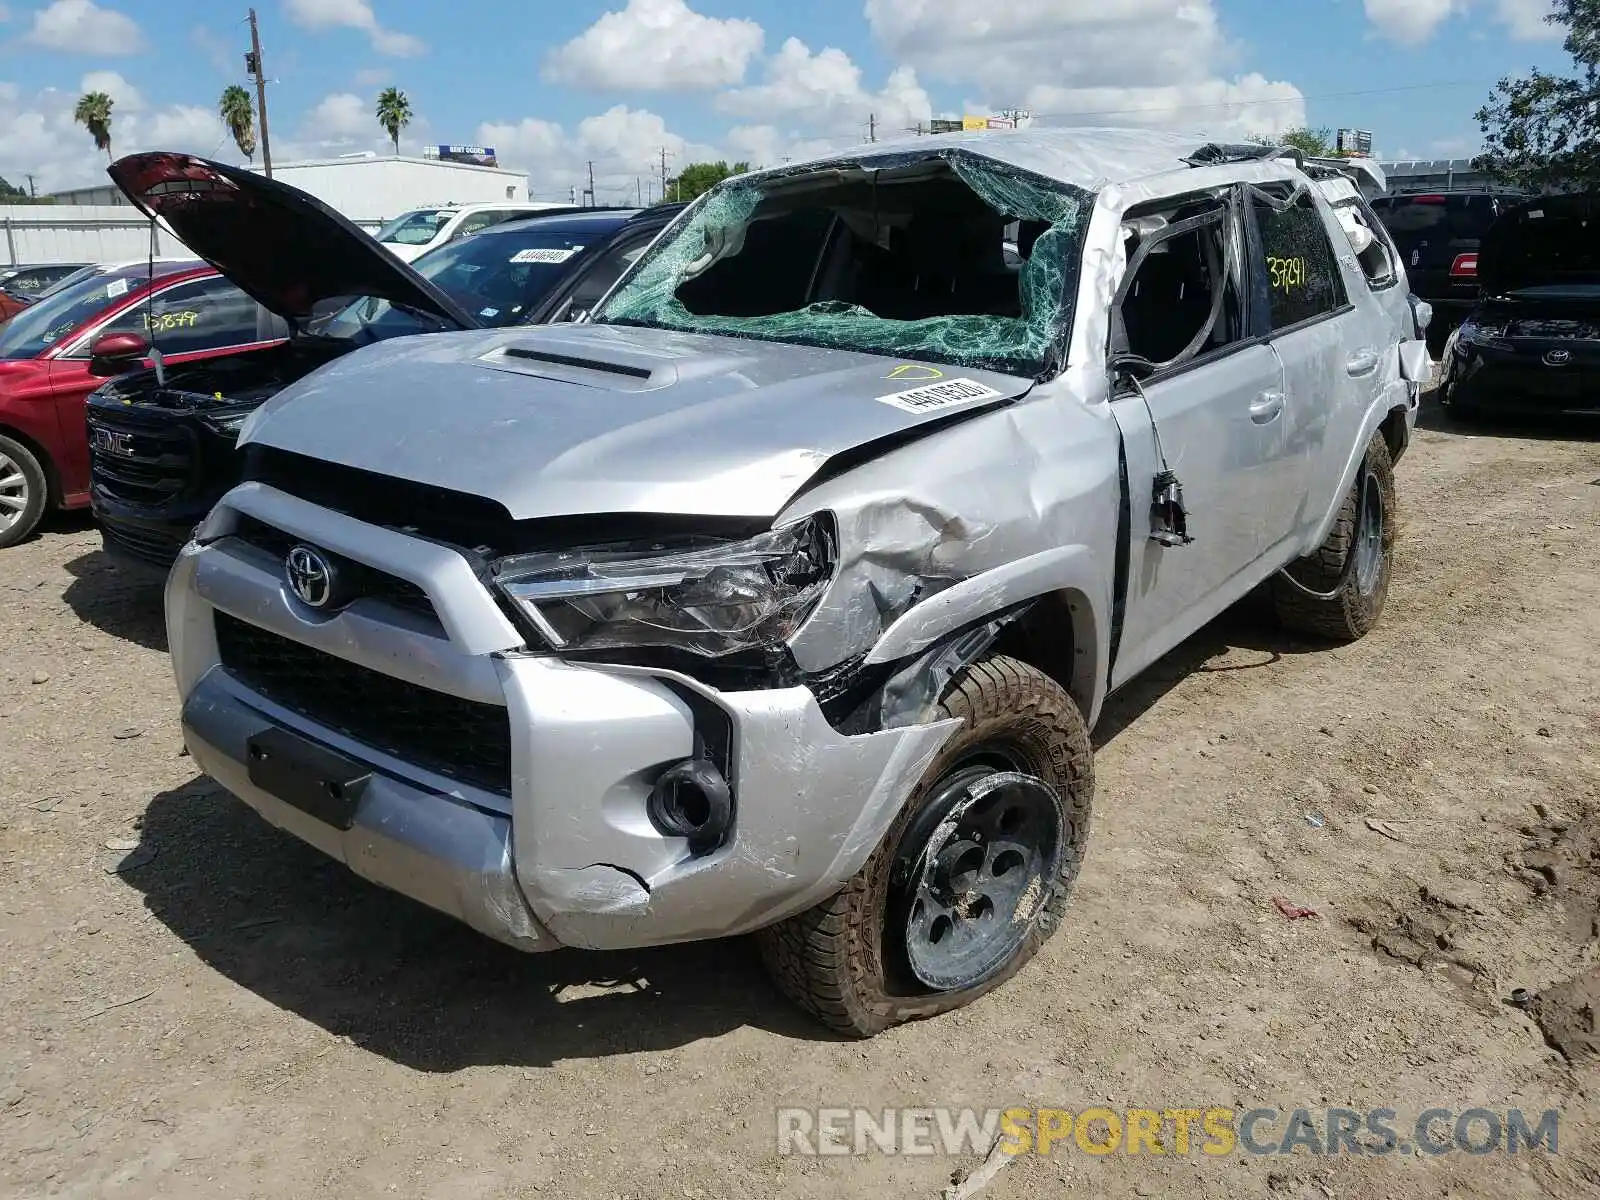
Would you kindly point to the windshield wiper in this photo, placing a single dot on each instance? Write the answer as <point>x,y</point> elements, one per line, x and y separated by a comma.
<point>422,314</point>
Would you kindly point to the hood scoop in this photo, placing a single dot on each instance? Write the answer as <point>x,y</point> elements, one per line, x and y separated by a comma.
<point>593,356</point>
<point>534,354</point>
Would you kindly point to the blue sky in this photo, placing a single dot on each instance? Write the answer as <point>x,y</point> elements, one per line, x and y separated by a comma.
<point>555,85</point>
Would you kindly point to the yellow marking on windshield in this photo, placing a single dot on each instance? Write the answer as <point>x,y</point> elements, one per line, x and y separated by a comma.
<point>915,371</point>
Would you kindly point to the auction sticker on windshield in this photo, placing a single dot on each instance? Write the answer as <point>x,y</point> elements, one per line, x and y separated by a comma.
<point>543,254</point>
<point>933,396</point>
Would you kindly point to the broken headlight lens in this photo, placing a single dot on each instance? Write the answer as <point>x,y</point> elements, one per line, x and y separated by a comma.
<point>1483,333</point>
<point>706,598</point>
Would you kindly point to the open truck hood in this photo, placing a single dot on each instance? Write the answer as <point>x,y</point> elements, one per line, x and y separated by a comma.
<point>582,419</point>
<point>1544,242</point>
<point>288,250</point>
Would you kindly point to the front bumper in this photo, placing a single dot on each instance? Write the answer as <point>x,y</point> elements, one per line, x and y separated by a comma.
<point>1516,380</point>
<point>133,540</point>
<point>566,854</point>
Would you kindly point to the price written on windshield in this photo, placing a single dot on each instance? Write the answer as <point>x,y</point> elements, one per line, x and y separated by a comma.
<point>168,321</point>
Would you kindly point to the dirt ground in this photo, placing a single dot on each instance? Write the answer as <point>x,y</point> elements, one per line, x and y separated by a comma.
<point>193,1004</point>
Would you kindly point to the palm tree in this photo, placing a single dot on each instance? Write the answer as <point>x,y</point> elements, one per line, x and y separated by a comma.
<point>239,117</point>
<point>394,114</point>
<point>94,114</point>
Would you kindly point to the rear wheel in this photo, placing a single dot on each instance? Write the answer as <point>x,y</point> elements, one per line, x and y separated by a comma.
<point>1339,591</point>
<point>23,491</point>
<point>972,877</point>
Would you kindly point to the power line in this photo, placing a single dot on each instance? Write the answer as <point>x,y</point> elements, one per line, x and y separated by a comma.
<point>1413,87</point>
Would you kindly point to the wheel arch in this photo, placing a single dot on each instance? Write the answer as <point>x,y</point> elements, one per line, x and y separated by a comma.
<point>52,476</point>
<point>1053,611</point>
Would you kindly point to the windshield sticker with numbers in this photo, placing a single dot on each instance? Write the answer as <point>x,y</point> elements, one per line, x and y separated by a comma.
<point>544,254</point>
<point>935,396</point>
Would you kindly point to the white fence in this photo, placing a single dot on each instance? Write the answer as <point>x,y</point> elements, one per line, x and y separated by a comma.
<point>63,233</point>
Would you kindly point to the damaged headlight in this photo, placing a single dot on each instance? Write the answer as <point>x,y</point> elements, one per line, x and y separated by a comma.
<point>1484,333</point>
<point>227,424</point>
<point>709,599</point>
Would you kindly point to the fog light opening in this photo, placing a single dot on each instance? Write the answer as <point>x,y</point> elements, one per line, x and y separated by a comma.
<point>692,800</point>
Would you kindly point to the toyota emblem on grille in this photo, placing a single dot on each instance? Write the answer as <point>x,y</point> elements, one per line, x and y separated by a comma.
<point>311,576</point>
<point>1558,358</point>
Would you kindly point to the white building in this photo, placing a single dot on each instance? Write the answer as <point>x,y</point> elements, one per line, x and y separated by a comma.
<point>370,189</point>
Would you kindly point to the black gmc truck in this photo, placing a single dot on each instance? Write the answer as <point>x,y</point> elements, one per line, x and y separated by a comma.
<point>161,441</point>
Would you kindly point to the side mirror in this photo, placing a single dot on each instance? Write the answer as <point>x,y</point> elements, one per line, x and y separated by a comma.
<point>116,354</point>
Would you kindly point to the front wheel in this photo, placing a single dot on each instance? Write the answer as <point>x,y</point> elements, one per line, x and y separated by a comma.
<point>1339,591</point>
<point>972,877</point>
<point>23,491</point>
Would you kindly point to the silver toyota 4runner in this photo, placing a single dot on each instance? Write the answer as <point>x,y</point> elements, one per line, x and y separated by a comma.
<point>780,595</point>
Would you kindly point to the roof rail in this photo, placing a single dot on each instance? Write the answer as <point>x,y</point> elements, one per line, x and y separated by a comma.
<point>1214,154</point>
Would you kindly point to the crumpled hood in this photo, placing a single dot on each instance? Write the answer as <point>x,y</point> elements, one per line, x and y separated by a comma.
<point>580,419</point>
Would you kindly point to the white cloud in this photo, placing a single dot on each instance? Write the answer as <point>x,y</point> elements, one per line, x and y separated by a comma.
<point>624,145</point>
<point>824,91</point>
<point>1526,19</point>
<point>1242,107</point>
<point>659,45</point>
<point>769,146</point>
<point>1149,62</point>
<point>180,127</point>
<point>341,115</point>
<point>40,138</point>
<point>354,14</point>
<point>83,27</point>
<point>371,76</point>
<point>1409,21</point>
<point>124,95</point>
<point>1455,147</point>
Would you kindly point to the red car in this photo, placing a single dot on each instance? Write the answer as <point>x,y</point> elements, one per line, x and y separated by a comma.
<point>56,351</point>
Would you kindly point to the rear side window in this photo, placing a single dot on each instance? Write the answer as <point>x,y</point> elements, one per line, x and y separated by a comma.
<point>1302,274</point>
<point>206,314</point>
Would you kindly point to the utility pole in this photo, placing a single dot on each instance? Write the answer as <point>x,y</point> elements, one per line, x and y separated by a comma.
<point>590,192</point>
<point>253,66</point>
<point>32,191</point>
<point>638,193</point>
<point>663,172</point>
<point>872,127</point>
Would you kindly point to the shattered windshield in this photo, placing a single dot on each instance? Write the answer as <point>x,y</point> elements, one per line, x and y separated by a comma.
<point>498,275</point>
<point>414,228</point>
<point>44,323</point>
<point>908,259</point>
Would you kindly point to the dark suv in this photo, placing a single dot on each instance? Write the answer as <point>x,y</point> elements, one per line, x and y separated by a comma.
<point>1437,234</point>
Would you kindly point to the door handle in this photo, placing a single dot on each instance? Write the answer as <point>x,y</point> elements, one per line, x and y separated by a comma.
<point>1266,407</point>
<point>1362,362</point>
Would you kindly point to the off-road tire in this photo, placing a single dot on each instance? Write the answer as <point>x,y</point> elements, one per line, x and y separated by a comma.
<point>37,491</point>
<point>1352,612</point>
<point>830,959</point>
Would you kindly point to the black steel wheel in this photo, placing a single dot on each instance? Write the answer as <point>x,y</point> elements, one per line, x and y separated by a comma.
<point>972,874</point>
<point>971,879</point>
